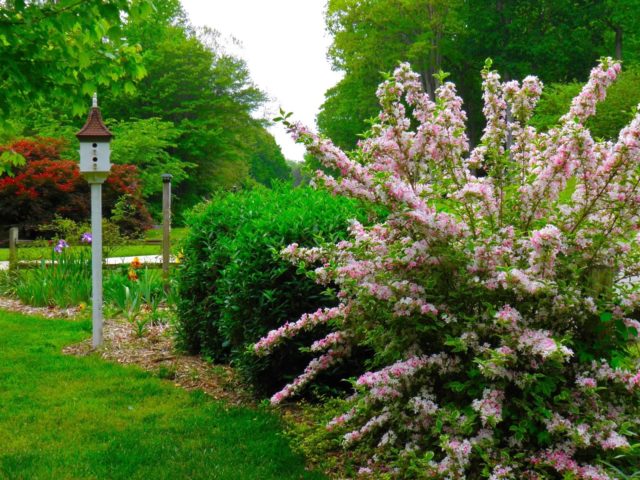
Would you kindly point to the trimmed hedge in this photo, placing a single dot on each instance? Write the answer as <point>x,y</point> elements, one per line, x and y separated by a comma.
<point>234,287</point>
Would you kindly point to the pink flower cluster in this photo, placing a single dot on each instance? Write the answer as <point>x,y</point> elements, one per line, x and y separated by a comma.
<point>501,472</point>
<point>498,269</point>
<point>562,462</point>
<point>489,406</point>
<point>289,330</point>
<point>540,344</point>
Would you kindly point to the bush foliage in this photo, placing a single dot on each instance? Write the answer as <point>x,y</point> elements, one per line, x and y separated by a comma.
<point>502,308</point>
<point>47,186</point>
<point>234,287</point>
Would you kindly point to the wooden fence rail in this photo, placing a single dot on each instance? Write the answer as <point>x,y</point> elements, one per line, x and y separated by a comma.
<point>14,242</point>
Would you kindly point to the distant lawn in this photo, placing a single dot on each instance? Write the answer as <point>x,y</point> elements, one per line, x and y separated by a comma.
<point>64,417</point>
<point>133,250</point>
<point>37,253</point>
<point>177,234</point>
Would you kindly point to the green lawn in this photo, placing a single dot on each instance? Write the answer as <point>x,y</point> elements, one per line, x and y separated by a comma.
<point>177,234</point>
<point>37,253</point>
<point>63,417</point>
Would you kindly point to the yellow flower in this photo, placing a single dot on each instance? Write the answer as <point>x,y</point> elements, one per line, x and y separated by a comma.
<point>132,274</point>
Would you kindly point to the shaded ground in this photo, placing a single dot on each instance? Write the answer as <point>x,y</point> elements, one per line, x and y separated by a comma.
<point>71,417</point>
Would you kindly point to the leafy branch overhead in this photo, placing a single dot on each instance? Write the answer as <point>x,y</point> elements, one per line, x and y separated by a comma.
<point>67,49</point>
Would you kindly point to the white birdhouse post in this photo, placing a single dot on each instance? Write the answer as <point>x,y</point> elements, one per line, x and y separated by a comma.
<point>95,167</point>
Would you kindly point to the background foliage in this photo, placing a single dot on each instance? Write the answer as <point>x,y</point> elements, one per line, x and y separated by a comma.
<point>612,115</point>
<point>176,100</point>
<point>65,50</point>
<point>558,40</point>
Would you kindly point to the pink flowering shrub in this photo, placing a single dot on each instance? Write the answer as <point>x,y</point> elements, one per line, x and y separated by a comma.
<point>498,295</point>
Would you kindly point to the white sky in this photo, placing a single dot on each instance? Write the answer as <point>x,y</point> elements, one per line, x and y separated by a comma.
<point>284,44</point>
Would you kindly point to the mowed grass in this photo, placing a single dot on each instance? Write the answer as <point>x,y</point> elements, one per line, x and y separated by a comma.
<point>64,417</point>
<point>131,250</point>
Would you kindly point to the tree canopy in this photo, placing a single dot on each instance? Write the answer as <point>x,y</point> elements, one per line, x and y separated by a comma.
<point>176,99</point>
<point>66,49</point>
<point>559,40</point>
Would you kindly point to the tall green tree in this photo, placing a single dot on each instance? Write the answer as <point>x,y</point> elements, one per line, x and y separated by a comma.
<point>66,49</point>
<point>149,145</point>
<point>621,21</point>
<point>372,36</point>
<point>559,40</point>
<point>347,106</point>
<point>267,163</point>
<point>206,93</point>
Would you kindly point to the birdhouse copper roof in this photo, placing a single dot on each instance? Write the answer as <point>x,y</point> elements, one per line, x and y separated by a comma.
<point>95,128</point>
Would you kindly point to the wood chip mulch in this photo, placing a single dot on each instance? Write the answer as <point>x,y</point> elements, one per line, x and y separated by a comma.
<point>48,312</point>
<point>155,352</point>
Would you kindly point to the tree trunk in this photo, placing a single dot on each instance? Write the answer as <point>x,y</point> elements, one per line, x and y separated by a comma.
<point>618,41</point>
<point>436,22</point>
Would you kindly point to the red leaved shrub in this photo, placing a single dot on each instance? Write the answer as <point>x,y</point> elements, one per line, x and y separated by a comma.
<point>39,148</point>
<point>48,186</point>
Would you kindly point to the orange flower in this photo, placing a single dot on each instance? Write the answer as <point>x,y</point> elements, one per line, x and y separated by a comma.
<point>135,263</point>
<point>132,274</point>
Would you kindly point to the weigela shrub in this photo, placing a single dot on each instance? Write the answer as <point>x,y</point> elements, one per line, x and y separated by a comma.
<point>498,295</point>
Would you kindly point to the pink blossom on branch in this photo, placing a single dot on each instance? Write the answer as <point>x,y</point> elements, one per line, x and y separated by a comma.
<point>491,280</point>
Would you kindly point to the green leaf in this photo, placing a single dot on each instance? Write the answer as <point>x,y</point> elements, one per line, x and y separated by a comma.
<point>89,88</point>
<point>129,88</point>
<point>606,316</point>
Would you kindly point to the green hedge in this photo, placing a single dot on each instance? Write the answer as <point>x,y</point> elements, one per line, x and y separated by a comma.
<point>233,285</point>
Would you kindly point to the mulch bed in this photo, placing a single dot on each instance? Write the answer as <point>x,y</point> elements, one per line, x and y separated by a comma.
<point>155,353</point>
<point>48,312</point>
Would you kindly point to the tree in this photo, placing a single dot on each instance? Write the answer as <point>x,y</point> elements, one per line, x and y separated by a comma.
<point>371,36</point>
<point>621,19</point>
<point>556,39</point>
<point>66,49</point>
<point>346,108</point>
<point>267,163</point>
<point>149,144</point>
<point>207,94</point>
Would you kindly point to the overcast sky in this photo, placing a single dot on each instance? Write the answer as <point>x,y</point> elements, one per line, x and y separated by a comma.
<point>284,44</point>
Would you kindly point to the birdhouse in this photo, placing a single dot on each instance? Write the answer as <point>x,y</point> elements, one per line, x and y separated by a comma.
<point>94,146</point>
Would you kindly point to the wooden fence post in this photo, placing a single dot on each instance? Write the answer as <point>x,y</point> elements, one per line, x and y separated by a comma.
<point>13,248</point>
<point>166,228</point>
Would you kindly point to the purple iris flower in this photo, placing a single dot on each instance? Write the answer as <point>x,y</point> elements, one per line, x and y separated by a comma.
<point>62,244</point>
<point>86,237</point>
